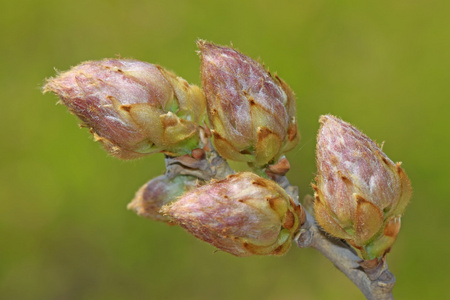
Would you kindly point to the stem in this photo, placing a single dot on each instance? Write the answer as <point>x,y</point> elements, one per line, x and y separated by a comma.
<point>375,283</point>
<point>212,166</point>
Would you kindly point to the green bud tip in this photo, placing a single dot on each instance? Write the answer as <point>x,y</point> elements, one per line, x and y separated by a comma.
<point>158,192</point>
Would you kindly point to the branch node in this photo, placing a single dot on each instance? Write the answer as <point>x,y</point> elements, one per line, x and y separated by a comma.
<point>303,238</point>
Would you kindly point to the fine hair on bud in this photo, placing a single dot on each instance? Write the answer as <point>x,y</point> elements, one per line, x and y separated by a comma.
<point>360,194</point>
<point>252,112</point>
<point>243,215</point>
<point>132,107</point>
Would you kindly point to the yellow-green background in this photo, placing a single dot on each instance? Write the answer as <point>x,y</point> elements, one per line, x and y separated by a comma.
<point>64,230</point>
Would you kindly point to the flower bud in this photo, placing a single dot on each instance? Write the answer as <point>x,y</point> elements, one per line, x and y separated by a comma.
<point>360,193</point>
<point>252,113</point>
<point>158,192</point>
<point>243,214</point>
<point>133,108</point>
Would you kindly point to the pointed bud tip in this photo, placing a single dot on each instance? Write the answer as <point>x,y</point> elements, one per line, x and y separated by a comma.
<point>330,122</point>
<point>205,47</point>
<point>324,118</point>
<point>47,87</point>
<point>201,43</point>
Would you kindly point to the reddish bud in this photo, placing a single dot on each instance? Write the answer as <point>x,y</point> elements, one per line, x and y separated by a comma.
<point>359,189</point>
<point>133,108</point>
<point>243,214</point>
<point>252,113</point>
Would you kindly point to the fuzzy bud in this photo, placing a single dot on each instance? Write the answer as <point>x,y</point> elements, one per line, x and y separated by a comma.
<point>243,214</point>
<point>252,112</point>
<point>360,193</point>
<point>133,108</point>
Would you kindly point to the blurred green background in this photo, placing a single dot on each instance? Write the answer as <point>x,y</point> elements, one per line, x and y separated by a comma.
<point>65,232</point>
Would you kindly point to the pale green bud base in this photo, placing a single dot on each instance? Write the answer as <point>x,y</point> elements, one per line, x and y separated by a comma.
<point>258,170</point>
<point>381,243</point>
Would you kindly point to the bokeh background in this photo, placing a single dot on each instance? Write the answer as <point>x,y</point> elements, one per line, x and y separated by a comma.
<point>65,232</point>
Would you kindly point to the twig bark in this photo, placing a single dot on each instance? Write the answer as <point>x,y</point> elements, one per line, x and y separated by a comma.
<point>210,166</point>
<point>375,283</point>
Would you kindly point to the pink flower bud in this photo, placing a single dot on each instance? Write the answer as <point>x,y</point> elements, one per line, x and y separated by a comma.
<point>252,113</point>
<point>133,108</point>
<point>158,192</point>
<point>243,214</point>
<point>360,193</point>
